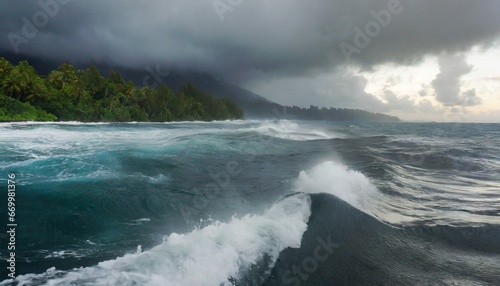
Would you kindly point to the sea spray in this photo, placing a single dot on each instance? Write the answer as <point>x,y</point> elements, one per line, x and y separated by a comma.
<point>206,256</point>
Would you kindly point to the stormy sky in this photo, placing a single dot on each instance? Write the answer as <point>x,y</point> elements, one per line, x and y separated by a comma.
<point>418,59</point>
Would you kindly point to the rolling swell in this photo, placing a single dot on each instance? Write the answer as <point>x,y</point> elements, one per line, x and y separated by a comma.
<point>484,238</point>
<point>366,251</point>
<point>94,193</point>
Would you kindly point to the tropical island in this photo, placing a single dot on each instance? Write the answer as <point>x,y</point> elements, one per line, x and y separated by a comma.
<point>68,94</point>
<point>65,93</point>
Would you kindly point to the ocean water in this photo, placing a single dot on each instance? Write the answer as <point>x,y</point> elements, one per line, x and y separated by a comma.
<point>253,203</point>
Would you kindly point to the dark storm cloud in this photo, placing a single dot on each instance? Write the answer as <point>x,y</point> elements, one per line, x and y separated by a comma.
<point>447,84</point>
<point>255,38</point>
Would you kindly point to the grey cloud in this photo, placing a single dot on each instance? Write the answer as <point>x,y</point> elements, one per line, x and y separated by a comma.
<point>340,89</point>
<point>469,98</point>
<point>426,106</point>
<point>286,50</point>
<point>399,103</point>
<point>423,93</point>
<point>257,39</point>
<point>447,84</point>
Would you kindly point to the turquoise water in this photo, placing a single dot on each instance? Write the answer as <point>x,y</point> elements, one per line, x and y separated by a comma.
<point>241,202</point>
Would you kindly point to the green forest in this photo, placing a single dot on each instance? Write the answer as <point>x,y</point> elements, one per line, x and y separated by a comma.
<point>67,94</point>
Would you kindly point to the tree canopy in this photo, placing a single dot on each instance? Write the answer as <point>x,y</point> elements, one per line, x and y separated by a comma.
<point>67,94</point>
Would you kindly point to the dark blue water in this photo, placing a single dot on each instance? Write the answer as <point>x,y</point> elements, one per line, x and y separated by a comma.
<point>253,203</point>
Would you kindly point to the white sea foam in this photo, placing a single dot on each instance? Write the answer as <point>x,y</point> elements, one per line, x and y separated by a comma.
<point>90,242</point>
<point>212,254</point>
<point>337,179</point>
<point>64,253</point>
<point>139,221</point>
<point>289,130</point>
<point>207,256</point>
<point>52,139</point>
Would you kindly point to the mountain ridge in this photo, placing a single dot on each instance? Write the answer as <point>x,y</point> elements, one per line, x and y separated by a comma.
<point>257,106</point>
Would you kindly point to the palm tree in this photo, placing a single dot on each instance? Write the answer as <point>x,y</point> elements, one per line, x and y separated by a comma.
<point>37,91</point>
<point>5,66</point>
<point>65,74</point>
<point>15,84</point>
<point>114,101</point>
<point>79,93</point>
<point>68,74</point>
<point>56,78</point>
<point>19,81</point>
<point>129,91</point>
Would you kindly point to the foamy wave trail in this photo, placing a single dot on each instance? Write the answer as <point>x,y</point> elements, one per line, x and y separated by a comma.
<point>284,129</point>
<point>213,255</point>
